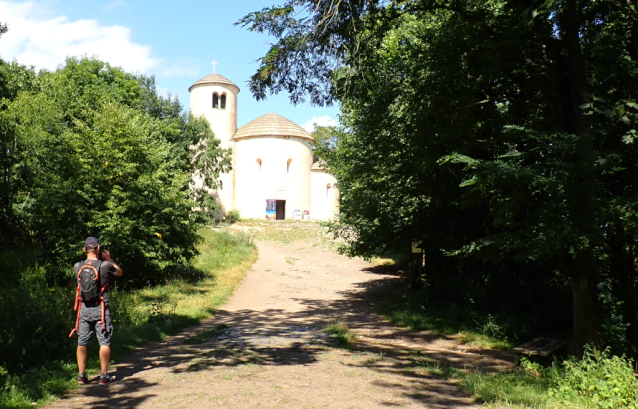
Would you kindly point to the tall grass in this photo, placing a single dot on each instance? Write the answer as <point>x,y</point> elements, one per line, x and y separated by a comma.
<point>143,315</point>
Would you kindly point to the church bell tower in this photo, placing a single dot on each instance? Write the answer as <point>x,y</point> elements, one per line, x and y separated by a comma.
<point>215,97</point>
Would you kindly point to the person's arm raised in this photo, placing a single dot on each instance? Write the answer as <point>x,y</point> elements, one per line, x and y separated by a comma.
<point>106,256</point>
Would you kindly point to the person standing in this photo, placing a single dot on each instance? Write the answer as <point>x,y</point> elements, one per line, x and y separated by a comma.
<point>92,302</point>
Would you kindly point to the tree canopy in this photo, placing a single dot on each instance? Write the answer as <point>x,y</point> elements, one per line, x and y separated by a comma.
<point>92,150</point>
<point>494,132</point>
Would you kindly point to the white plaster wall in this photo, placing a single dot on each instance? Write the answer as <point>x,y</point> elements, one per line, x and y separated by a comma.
<point>224,125</point>
<point>324,200</point>
<point>273,181</point>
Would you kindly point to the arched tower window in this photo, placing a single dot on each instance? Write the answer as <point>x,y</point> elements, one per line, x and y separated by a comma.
<point>215,100</point>
<point>259,164</point>
<point>223,104</point>
<point>288,165</point>
<point>328,190</point>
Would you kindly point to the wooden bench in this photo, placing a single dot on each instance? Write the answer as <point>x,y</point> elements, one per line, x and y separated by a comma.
<point>544,347</point>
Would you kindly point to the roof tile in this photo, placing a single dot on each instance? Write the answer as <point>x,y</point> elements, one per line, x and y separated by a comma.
<point>272,125</point>
<point>213,79</point>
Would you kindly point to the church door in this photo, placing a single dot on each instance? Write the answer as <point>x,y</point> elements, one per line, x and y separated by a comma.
<point>281,210</point>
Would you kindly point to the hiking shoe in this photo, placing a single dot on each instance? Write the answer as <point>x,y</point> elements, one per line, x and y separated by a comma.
<point>104,379</point>
<point>82,379</point>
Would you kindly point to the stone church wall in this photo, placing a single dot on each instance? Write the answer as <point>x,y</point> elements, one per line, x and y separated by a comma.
<point>272,167</point>
<point>325,197</point>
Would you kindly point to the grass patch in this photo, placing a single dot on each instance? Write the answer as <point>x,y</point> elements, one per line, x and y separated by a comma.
<point>487,334</point>
<point>526,387</point>
<point>484,341</point>
<point>382,261</point>
<point>444,371</point>
<point>514,389</point>
<point>340,332</point>
<point>517,389</point>
<point>145,315</point>
<point>287,231</point>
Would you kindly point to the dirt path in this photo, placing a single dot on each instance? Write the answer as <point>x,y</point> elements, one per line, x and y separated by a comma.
<point>275,354</point>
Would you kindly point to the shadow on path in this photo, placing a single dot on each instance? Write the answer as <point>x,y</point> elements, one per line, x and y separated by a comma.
<point>402,359</point>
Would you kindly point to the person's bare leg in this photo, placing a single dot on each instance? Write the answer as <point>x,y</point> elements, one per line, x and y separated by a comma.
<point>81,358</point>
<point>105,356</point>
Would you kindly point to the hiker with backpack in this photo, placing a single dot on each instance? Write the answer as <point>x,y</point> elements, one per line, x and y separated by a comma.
<point>92,304</point>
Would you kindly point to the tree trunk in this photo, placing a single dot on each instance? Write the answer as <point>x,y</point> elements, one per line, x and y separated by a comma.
<point>582,188</point>
<point>583,283</point>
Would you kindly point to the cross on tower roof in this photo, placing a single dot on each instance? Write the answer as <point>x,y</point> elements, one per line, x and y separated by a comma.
<point>214,64</point>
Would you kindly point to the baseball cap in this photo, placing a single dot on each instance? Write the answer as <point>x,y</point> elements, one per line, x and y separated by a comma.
<point>91,243</point>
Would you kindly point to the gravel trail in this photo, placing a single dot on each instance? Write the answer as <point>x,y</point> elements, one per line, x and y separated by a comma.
<point>272,350</point>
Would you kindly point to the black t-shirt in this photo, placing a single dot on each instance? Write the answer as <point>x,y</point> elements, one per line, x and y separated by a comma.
<point>107,271</point>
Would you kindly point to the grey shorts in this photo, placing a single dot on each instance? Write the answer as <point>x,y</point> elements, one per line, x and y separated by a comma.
<point>90,321</point>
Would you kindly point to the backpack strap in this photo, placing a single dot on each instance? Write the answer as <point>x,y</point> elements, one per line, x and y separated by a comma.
<point>84,264</point>
<point>76,306</point>
<point>103,322</point>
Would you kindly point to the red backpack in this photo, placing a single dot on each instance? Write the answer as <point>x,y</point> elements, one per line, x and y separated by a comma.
<point>89,290</point>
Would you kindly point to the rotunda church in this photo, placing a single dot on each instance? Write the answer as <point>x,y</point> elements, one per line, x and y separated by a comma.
<point>274,175</point>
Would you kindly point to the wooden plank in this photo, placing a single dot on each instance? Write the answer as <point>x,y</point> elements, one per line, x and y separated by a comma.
<point>557,346</point>
<point>539,346</point>
<point>527,348</point>
<point>528,345</point>
<point>546,347</point>
<point>546,344</point>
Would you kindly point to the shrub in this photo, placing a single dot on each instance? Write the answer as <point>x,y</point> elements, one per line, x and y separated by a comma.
<point>608,381</point>
<point>233,216</point>
<point>36,321</point>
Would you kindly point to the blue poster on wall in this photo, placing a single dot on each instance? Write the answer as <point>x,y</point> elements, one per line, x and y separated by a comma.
<point>271,209</point>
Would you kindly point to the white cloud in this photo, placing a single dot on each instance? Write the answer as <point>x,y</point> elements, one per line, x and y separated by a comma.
<point>45,41</point>
<point>325,120</point>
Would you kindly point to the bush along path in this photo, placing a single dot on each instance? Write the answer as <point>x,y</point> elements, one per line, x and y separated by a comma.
<point>300,332</point>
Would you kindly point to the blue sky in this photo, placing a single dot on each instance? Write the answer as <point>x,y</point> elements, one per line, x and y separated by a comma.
<point>175,41</point>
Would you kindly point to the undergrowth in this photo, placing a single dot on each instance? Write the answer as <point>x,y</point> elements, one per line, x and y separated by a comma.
<point>598,380</point>
<point>483,332</point>
<point>141,316</point>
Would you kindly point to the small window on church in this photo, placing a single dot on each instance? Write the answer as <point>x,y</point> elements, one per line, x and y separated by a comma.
<point>328,190</point>
<point>215,100</point>
<point>259,164</point>
<point>223,101</point>
<point>288,165</point>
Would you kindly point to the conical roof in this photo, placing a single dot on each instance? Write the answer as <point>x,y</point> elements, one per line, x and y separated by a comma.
<point>213,79</point>
<point>272,125</point>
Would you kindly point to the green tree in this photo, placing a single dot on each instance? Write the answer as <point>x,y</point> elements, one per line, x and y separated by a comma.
<point>493,129</point>
<point>92,150</point>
